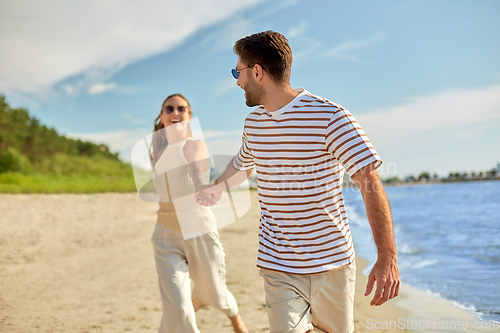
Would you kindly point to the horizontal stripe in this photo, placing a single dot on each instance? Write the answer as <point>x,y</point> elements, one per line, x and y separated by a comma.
<point>300,174</point>
<point>337,147</point>
<point>358,162</point>
<point>316,194</point>
<point>272,211</point>
<point>305,188</point>
<point>309,100</point>
<point>291,173</point>
<point>351,147</point>
<point>288,150</point>
<point>284,127</point>
<point>337,119</point>
<point>299,111</point>
<point>289,119</point>
<point>287,134</point>
<point>302,245</point>
<point>286,142</point>
<point>305,210</point>
<point>309,266</point>
<point>311,231</point>
<point>354,129</point>
<point>313,106</point>
<point>342,214</point>
<point>289,158</point>
<point>302,225</point>
<point>306,259</point>
<point>351,156</point>
<point>295,203</point>
<point>308,252</point>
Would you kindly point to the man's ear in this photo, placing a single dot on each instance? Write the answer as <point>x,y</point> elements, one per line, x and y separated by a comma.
<point>259,71</point>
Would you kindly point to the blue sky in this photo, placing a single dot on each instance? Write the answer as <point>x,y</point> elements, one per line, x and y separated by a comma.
<point>422,77</point>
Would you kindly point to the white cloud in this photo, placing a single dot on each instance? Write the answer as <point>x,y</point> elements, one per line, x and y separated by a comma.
<point>297,30</point>
<point>42,43</point>
<point>308,50</point>
<point>436,132</point>
<point>438,112</point>
<point>120,141</point>
<point>223,39</point>
<point>342,51</point>
<point>99,88</point>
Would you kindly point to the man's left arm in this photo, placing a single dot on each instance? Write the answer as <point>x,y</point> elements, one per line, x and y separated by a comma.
<point>378,210</point>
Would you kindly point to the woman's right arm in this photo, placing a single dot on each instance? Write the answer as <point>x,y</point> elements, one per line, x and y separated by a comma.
<point>196,154</point>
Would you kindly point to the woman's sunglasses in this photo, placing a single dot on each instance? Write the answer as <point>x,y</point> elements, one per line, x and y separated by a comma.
<point>169,109</point>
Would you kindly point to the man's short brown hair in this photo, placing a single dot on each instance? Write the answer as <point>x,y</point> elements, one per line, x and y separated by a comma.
<point>270,50</point>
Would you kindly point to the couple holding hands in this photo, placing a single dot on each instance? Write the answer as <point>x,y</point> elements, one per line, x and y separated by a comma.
<point>300,145</point>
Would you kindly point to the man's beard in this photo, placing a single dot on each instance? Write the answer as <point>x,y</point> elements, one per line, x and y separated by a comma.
<point>254,94</point>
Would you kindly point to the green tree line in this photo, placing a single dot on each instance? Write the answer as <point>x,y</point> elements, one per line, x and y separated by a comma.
<point>28,148</point>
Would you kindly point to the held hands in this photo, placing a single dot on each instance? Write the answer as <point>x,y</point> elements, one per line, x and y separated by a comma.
<point>386,273</point>
<point>209,195</point>
<point>204,198</point>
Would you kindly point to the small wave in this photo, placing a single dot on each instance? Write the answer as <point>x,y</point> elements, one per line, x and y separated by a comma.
<point>488,313</point>
<point>356,218</point>
<point>469,308</point>
<point>424,263</point>
<point>433,293</point>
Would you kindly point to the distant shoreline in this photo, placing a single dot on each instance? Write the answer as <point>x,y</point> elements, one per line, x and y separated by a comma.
<point>349,183</point>
<point>443,181</point>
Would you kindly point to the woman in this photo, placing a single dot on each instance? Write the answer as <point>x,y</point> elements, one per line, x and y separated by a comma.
<point>199,259</point>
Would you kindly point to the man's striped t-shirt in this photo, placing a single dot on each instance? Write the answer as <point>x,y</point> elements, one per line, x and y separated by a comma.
<point>300,153</point>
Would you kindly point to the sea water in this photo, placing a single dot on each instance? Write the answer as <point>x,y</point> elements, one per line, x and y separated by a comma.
<point>447,237</point>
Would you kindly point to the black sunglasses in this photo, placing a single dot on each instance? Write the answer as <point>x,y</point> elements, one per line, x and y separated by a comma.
<point>169,109</point>
<point>236,72</point>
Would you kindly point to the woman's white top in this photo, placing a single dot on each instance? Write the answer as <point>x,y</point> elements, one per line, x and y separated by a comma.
<point>178,207</point>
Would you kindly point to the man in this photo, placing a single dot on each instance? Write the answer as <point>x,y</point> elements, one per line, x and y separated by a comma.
<point>300,144</point>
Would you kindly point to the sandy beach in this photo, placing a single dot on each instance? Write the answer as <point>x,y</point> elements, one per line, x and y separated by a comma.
<point>84,263</point>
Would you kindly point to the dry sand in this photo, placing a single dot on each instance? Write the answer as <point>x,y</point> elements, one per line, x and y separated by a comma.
<point>84,263</point>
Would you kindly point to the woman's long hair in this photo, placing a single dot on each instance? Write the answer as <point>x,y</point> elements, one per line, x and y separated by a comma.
<point>159,141</point>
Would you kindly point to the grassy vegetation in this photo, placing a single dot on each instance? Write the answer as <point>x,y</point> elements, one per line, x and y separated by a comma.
<point>15,183</point>
<point>71,174</point>
<point>36,159</point>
